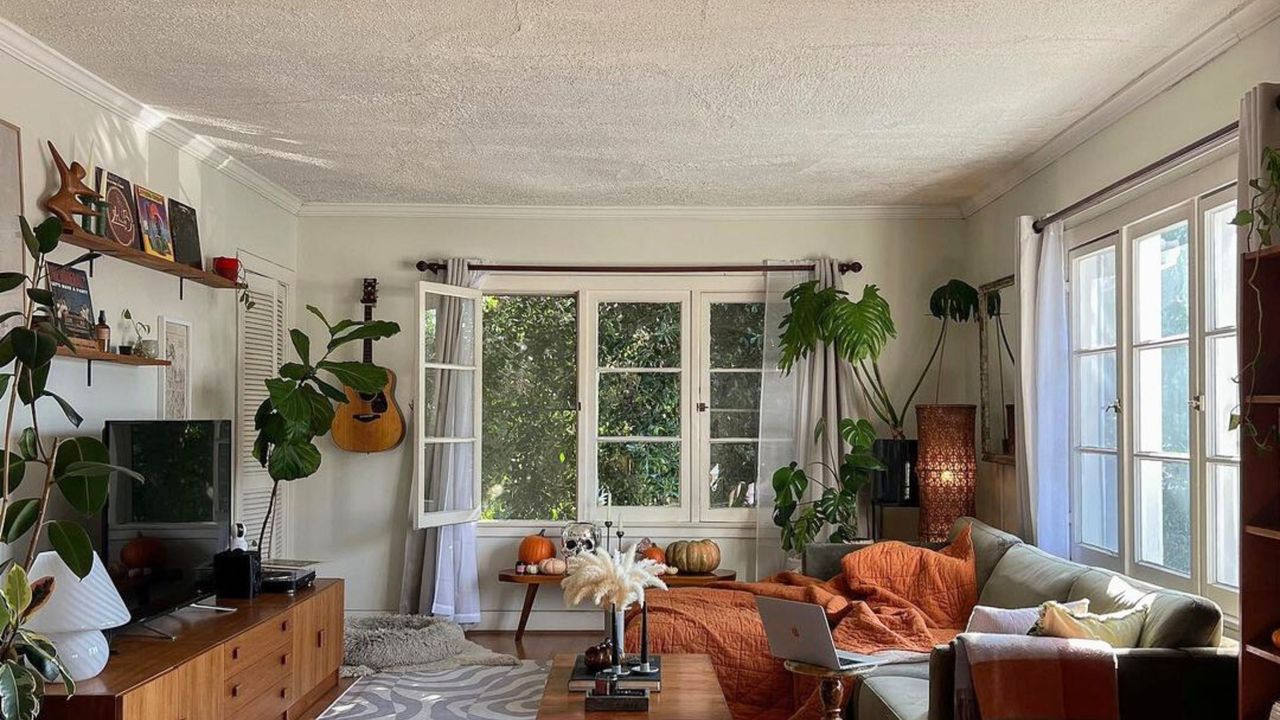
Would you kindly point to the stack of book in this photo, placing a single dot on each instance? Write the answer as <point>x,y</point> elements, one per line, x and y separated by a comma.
<point>582,679</point>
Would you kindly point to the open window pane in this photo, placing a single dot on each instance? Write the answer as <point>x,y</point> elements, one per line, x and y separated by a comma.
<point>1161,264</point>
<point>1095,399</point>
<point>448,327</point>
<point>639,334</point>
<point>1163,394</point>
<point>1224,396</point>
<point>1099,519</point>
<point>639,404</point>
<point>1094,290</point>
<point>530,465</point>
<point>447,410</point>
<point>1164,513</point>
<point>442,465</point>
<point>643,474</point>
<point>1224,534</point>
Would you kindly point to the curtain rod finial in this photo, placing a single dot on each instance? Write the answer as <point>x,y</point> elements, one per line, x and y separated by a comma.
<point>854,267</point>
<point>430,266</point>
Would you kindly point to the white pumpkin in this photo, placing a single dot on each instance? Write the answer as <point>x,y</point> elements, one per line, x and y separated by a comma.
<point>553,566</point>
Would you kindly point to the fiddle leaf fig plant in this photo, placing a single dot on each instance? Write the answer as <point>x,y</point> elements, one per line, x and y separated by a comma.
<point>300,403</point>
<point>76,466</point>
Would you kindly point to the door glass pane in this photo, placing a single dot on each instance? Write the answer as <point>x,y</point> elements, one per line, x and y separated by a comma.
<point>737,335</point>
<point>1094,290</point>
<point>735,404</point>
<point>1164,514</point>
<point>733,474</point>
<point>1095,396</point>
<point>644,404</point>
<point>530,466</point>
<point>1099,520</point>
<point>1160,266</point>
<point>1163,391</point>
<point>1224,396</point>
<point>639,335</point>
<point>645,474</point>
<point>439,345</point>
<point>1224,260</point>
<point>1224,535</point>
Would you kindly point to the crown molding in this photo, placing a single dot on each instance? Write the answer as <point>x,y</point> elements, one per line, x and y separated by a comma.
<point>637,212</point>
<point>40,57</point>
<point>1164,75</point>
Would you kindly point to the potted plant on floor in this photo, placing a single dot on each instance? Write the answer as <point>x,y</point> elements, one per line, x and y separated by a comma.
<point>76,466</point>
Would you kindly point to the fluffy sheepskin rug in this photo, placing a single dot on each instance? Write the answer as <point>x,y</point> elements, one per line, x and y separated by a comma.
<point>410,643</point>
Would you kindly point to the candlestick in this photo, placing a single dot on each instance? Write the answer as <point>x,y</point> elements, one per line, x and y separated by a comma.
<point>608,536</point>
<point>644,668</point>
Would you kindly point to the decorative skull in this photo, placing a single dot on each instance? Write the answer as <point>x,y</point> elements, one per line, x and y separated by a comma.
<point>579,537</point>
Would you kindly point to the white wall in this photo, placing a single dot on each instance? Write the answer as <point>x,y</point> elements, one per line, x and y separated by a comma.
<point>354,513</point>
<point>231,218</point>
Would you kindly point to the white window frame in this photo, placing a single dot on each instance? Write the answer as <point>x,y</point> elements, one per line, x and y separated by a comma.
<point>438,518</point>
<point>587,288</point>
<point>1203,186</point>
<point>702,466</point>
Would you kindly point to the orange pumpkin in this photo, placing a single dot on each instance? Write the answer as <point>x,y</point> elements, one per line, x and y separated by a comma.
<point>694,556</point>
<point>654,553</point>
<point>143,552</point>
<point>536,548</point>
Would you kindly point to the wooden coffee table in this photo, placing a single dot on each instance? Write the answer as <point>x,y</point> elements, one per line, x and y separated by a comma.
<point>690,691</point>
<point>533,582</point>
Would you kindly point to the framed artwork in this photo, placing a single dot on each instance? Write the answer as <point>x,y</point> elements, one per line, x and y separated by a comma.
<point>153,223</point>
<point>186,234</point>
<point>122,210</point>
<point>12,253</point>
<point>72,304</point>
<point>175,380</point>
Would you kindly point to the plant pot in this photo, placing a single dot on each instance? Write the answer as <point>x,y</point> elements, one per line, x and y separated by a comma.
<point>947,463</point>
<point>146,348</point>
<point>897,484</point>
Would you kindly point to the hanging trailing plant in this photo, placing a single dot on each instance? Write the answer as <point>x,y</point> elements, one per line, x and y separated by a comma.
<point>1261,221</point>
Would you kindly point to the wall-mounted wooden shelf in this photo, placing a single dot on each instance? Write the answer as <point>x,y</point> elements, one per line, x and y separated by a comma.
<point>90,356</point>
<point>75,235</point>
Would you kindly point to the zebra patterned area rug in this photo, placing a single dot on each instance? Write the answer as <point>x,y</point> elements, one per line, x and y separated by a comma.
<point>465,693</point>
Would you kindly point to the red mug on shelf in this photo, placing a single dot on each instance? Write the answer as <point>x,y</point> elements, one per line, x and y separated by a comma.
<point>227,267</point>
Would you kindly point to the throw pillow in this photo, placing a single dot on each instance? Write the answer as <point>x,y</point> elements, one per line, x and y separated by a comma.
<point>1013,621</point>
<point>942,584</point>
<point>1119,629</point>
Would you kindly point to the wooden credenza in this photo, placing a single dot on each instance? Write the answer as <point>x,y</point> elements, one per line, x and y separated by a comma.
<point>272,659</point>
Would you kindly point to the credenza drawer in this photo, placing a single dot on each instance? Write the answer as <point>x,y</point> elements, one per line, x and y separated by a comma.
<point>271,704</point>
<point>245,687</point>
<point>247,648</point>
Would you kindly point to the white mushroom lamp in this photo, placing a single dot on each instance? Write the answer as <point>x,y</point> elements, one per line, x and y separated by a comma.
<point>77,613</point>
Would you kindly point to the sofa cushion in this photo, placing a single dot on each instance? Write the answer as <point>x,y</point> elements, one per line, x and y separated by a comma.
<point>989,545</point>
<point>893,697</point>
<point>1174,619</point>
<point>1028,576</point>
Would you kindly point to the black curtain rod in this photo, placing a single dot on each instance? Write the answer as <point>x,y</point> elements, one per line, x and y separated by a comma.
<point>435,266</point>
<point>1132,178</point>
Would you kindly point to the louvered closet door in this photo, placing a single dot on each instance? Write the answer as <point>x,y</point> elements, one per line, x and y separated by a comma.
<point>262,336</point>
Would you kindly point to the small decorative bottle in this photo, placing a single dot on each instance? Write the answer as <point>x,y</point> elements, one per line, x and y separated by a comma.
<point>102,332</point>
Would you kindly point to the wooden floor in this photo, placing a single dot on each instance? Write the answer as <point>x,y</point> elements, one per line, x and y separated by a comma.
<point>536,645</point>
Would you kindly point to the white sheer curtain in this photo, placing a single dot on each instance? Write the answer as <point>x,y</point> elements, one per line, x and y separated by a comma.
<point>440,572</point>
<point>1044,490</point>
<point>1259,128</point>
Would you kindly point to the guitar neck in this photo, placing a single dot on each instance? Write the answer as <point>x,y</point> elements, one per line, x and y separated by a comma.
<point>368,343</point>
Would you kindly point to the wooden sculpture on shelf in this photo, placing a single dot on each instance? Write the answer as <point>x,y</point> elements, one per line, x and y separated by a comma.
<point>69,200</point>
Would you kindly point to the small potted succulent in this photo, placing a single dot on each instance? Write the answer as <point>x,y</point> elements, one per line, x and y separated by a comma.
<point>143,346</point>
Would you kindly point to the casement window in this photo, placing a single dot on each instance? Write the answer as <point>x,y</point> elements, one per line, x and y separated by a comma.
<point>1153,364</point>
<point>262,333</point>
<point>620,396</point>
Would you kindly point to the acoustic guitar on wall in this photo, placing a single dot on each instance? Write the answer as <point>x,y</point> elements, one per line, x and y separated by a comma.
<point>369,422</point>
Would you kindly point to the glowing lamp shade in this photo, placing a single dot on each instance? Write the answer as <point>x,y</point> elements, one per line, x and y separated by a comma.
<point>77,613</point>
<point>947,467</point>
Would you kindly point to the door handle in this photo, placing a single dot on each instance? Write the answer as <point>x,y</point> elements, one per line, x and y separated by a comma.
<point>320,637</point>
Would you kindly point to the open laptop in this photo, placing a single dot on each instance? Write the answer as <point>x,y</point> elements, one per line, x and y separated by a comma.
<point>799,631</point>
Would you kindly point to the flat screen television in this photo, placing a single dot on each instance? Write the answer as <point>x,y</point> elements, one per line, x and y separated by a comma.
<point>159,536</point>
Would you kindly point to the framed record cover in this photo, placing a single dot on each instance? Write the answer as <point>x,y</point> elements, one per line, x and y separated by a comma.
<point>122,211</point>
<point>186,234</point>
<point>72,304</point>
<point>153,223</point>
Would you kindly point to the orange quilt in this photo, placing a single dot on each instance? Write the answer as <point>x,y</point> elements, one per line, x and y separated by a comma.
<point>891,596</point>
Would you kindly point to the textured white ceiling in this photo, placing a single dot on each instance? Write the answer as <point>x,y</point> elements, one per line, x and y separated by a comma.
<point>602,102</point>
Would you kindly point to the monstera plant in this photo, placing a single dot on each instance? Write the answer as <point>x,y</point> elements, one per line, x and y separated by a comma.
<point>300,403</point>
<point>76,466</point>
